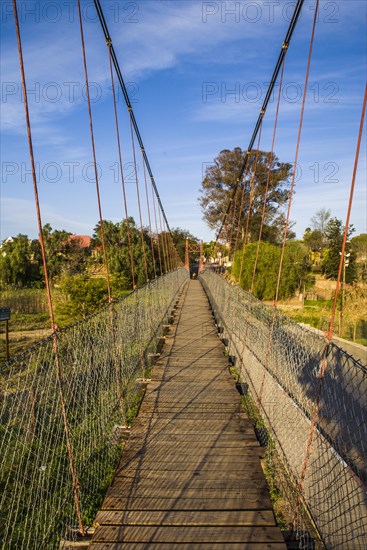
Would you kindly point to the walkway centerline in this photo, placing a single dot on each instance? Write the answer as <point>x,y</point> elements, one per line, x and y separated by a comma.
<point>190,473</point>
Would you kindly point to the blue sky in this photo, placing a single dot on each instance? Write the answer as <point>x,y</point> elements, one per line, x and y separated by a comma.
<point>197,72</point>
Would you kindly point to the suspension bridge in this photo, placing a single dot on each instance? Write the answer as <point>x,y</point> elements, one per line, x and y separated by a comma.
<point>170,417</point>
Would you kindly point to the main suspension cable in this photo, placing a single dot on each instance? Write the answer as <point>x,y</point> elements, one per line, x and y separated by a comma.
<point>268,177</point>
<point>271,331</point>
<point>285,45</point>
<point>296,153</point>
<point>128,102</point>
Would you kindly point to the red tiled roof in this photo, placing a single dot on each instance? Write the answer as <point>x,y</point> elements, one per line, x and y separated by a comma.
<point>81,241</point>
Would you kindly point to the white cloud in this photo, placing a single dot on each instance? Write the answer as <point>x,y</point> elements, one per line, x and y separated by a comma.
<point>165,33</point>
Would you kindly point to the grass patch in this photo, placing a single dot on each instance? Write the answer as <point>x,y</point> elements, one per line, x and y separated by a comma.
<point>362,341</point>
<point>318,303</point>
<point>28,321</point>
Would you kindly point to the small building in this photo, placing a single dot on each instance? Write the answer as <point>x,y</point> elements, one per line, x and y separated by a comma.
<point>80,241</point>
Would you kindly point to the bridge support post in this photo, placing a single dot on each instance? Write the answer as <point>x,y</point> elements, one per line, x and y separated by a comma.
<point>187,262</point>
<point>201,259</point>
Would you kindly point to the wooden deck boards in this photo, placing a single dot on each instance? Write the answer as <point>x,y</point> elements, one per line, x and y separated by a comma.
<point>190,475</point>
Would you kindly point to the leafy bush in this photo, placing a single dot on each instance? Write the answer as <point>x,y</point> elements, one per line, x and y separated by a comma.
<point>295,272</point>
<point>84,296</point>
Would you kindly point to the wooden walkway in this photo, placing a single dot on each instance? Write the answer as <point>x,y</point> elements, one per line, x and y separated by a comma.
<point>190,475</point>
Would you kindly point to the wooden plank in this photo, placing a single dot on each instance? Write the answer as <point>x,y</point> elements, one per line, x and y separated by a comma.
<point>192,444</point>
<point>188,546</point>
<point>218,468</point>
<point>202,438</point>
<point>152,503</point>
<point>177,434</point>
<point>168,427</point>
<point>199,489</point>
<point>192,413</point>
<point>180,518</point>
<point>216,416</point>
<point>193,487</point>
<point>202,454</point>
<point>196,534</point>
<point>204,415</point>
<point>202,462</point>
<point>187,473</point>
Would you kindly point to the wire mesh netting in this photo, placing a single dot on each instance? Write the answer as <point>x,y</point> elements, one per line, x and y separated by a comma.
<point>283,365</point>
<point>36,492</point>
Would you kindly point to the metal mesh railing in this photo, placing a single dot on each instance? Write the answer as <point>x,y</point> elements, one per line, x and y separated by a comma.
<point>36,492</point>
<point>281,363</point>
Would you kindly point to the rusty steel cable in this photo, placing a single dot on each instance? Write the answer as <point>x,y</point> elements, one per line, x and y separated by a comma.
<point>271,331</point>
<point>149,219</point>
<point>156,230</point>
<point>250,199</point>
<point>138,199</point>
<point>227,224</point>
<point>127,223</point>
<point>286,41</point>
<point>329,334</point>
<point>232,223</point>
<point>133,121</point>
<point>168,248</point>
<point>243,189</point>
<point>162,241</point>
<point>268,174</point>
<point>36,497</point>
<point>106,33</point>
<point>165,236</point>
<point>103,240</point>
<point>335,480</point>
<point>55,351</point>
<point>297,152</point>
<point>173,251</point>
<point>346,228</point>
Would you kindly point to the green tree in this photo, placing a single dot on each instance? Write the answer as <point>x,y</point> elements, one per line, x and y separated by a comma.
<point>219,182</point>
<point>295,272</point>
<point>57,247</point>
<point>313,240</point>
<point>84,296</point>
<point>118,250</point>
<point>317,238</point>
<point>18,268</point>
<point>334,232</point>
<point>359,246</point>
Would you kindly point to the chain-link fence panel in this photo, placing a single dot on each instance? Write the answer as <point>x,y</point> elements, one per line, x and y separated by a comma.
<point>99,360</point>
<point>311,395</point>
